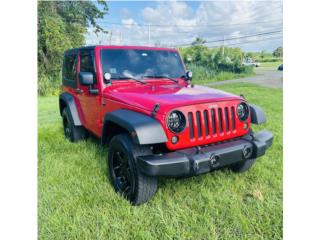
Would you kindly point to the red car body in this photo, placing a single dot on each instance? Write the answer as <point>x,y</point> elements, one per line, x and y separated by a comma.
<point>156,125</point>
<point>131,95</point>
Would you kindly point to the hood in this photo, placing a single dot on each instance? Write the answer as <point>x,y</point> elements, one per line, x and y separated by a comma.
<point>169,96</point>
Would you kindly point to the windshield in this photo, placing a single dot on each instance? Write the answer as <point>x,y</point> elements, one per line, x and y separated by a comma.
<point>133,63</point>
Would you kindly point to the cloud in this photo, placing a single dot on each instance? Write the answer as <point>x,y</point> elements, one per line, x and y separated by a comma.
<point>175,22</point>
<point>129,23</point>
<point>125,13</point>
<point>167,11</point>
<point>198,23</point>
<point>150,15</point>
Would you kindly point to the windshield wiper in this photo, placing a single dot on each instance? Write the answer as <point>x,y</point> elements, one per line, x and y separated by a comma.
<point>136,79</point>
<point>164,76</point>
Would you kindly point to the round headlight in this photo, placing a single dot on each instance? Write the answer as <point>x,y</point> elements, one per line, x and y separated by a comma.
<point>176,121</point>
<point>243,111</point>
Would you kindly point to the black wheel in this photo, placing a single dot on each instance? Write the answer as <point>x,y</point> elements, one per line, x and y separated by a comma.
<point>72,133</point>
<point>243,166</point>
<point>124,174</point>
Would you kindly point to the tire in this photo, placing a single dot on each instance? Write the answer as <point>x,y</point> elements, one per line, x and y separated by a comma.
<point>71,132</point>
<point>124,174</point>
<point>243,166</point>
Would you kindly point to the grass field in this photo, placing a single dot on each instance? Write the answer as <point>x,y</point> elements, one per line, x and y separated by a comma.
<point>76,201</point>
<point>270,64</point>
<point>221,76</point>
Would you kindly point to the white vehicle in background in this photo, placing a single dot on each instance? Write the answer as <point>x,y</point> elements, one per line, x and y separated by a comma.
<point>250,62</point>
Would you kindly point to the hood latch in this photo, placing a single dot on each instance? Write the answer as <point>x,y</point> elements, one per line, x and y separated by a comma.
<point>155,109</point>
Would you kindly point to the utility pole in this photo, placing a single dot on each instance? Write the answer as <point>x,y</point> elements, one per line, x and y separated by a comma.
<point>223,47</point>
<point>149,43</point>
<point>120,37</point>
<point>110,37</point>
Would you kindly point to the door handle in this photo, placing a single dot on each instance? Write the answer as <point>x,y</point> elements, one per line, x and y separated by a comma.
<point>79,91</point>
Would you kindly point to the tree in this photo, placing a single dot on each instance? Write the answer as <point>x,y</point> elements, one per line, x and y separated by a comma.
<point>278,52</point>
<point>262,54</point>
<point>62,25</point>
<point>198,41</point>
<point>249,55</point>
<point>219,57</point>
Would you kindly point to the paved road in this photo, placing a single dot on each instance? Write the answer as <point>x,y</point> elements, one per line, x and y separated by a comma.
<point>267,77</point>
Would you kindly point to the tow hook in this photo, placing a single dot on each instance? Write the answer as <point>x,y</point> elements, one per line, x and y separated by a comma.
<point>214,160</point>
<point>195,166</point>
<point>247,152</point>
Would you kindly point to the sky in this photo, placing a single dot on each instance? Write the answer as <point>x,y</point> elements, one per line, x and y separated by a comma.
<point>250,25</point>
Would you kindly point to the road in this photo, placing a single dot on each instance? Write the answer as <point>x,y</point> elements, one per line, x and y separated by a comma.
<point>265,76</point>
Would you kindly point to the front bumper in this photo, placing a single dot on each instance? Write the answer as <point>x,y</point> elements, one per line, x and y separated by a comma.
<point>194,161</point>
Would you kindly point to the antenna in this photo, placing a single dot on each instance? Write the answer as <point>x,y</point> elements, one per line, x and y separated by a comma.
<point>149,35</point>
<point>110,37</point>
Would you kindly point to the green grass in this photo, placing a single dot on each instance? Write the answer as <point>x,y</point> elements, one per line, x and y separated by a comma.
<point>76,200</point>
<point>270,64</point>
<point>221,76</point>
<point>203,74</point>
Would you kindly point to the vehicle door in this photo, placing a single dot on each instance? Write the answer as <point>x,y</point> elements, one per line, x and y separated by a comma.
<point>69,71</point>
<point>89,101</point>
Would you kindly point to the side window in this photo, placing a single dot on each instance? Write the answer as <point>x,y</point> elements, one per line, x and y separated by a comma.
<point>87,63</point>
<point>69,66</point>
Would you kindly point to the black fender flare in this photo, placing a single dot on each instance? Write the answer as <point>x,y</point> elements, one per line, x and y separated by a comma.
<point>66,99</point>
<point>142,128</point>
<point>257,115</point>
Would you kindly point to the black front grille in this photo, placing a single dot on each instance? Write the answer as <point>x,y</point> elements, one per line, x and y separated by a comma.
<point>199,127</point>
<point>226,117</point>
<point>220,120</point>
<point>211,122</point>
<point>206,122</point>
<point>233,120</point>
<point>191,127</point>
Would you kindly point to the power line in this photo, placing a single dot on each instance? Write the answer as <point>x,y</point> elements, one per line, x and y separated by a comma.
<point>266,13</point>
<point>186,32</point>
<point>194,25</point>
<point>257,40</point>
<point>235,38</point>
<point>246,36</point>
<point>271,13</point>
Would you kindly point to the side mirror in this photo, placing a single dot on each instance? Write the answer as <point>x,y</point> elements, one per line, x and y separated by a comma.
<point>189,77</point>
<point>86,78</point>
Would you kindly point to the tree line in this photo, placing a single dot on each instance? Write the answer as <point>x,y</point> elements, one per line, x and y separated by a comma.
<point>62,25</point>
<point>207,63</point>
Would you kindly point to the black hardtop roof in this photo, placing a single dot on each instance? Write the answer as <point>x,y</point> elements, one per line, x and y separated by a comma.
<point>73,50</point>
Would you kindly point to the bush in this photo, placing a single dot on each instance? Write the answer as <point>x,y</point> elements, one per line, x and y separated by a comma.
<point>214,63</point>
<point>204,74</point>
<point>62,25</point>
<point>201,72</point>
<point>48,86</point>
<point>271,60</point>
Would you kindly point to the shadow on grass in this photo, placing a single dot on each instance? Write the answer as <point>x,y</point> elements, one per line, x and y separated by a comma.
<point>102,150</point>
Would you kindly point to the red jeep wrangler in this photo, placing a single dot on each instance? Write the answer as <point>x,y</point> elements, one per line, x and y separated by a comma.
<point>140,101</point>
